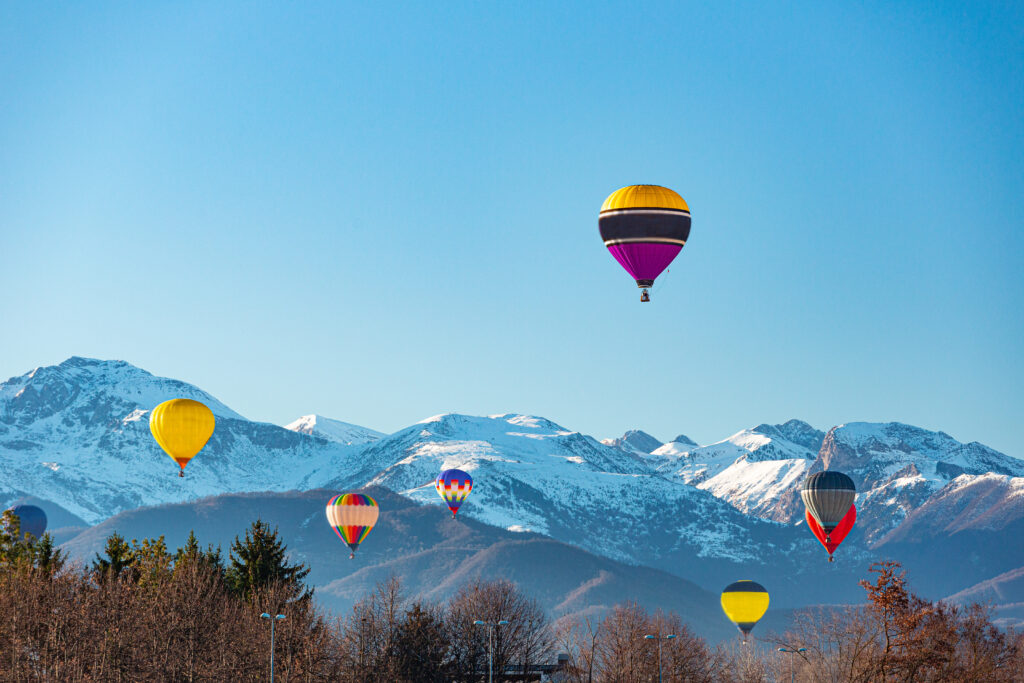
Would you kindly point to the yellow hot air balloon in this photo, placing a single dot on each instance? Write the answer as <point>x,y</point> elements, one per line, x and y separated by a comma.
<point>182,427</point>
<point>744,602</point>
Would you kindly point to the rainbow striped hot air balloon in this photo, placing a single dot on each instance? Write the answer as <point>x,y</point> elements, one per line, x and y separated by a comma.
<point>644,227</point>
<point>352,516</point>
<point>453,486</point>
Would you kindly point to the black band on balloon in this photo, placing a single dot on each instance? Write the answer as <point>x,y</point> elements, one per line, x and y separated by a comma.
<point>644,225</point>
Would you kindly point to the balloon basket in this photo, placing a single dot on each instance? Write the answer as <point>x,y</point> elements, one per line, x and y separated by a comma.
<point>645,296</point>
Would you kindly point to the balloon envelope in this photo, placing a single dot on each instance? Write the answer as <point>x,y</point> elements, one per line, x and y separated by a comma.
<point>182,427</point>
<point>352,516</point>
<point>832,541</point>
<point>32,520</point>
<point>644,227</point>
<point>745,602</point>
<point>828,496</point>
<point>453,486</point>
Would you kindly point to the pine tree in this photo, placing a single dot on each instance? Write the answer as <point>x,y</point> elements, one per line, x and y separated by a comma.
<point>47,559</point>
<point>192,554</point>
<point>260,562</point>
<point>119,557</point>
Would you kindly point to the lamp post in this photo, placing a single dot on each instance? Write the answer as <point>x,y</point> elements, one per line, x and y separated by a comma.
<point>491,625</point>
<point>660,638</point>
<point>272,621</point>
<point>792,652</point>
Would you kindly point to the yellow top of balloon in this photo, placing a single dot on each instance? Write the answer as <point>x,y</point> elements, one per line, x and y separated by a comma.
<point>182,427</point>
<point>744,606</point>
<point>644,197</point>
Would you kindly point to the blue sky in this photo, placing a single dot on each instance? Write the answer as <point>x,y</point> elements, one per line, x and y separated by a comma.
<point>381,211</point>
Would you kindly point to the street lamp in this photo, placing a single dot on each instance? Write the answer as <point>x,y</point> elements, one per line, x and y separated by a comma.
<point>491,625</point>
<point>273,620</point>
<point>792,652</point>
<point>660,638</point>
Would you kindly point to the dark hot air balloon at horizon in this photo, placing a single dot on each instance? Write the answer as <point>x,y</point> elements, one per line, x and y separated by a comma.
<point>745,602</point>
<point>453,486</point>
<point>32,520</point>
<point>644,227</point>
<point>828,496</point>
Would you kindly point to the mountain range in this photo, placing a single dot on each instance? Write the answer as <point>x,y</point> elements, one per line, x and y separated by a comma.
<point>75,437</point>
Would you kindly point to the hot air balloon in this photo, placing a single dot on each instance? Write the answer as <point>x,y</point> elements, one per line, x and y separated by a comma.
<point>454,486</point>
<point>832,541</point>
<point>182,427</point>
<point>744,602</point>
<point>32,520</point>
<point>828,496</point>
<point>644,227</point>
<point>352,516</point>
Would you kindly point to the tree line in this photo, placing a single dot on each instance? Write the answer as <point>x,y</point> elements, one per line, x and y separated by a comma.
<point>142,612</point>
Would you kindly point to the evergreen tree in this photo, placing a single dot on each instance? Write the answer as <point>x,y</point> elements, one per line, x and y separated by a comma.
<point>13,545</point>
<point>47,559</point>
<point>260,561</point>
<point>192,554</point>
<point>119,557</point>
<point>151,561</point>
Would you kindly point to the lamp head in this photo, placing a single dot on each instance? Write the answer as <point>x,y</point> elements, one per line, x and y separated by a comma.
<point>670,637</point>
<point>264,616</point>
<point>478,623</point>
<point>279,616</point>
<point>502,623</point>
<point>648,637</point>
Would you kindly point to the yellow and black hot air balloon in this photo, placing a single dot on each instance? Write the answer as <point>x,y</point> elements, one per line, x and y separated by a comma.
<point>744,602</point>
<point>644,227</point>
<point>182,427</point>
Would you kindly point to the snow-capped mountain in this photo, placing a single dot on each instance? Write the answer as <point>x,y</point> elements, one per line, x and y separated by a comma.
<point>751,469</point>
<point>344,433</point>
<point>534,475</point>
<point>78,434</point>
<point>634,441</point>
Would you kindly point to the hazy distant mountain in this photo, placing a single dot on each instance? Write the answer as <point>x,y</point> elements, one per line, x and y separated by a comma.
<point>432,553</point>
<point>1004,593</point>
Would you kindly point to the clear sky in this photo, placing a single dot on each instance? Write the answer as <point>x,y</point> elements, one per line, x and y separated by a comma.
<point>381,211</point>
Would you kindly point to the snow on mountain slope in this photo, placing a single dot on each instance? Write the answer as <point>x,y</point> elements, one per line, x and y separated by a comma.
<point>634,441</point>
<point>898,467</point>
<point>532,474</point>
<point>751,469</point>
<point>78,434</point>
<point>334,430</point>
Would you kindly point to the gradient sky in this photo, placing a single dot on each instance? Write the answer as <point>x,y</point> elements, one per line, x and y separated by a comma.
<point>380,212</point>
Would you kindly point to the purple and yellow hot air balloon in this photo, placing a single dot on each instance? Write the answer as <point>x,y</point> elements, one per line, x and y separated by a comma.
<point>644,227</point>
<point>454,486</point>
<point>352,516</point>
